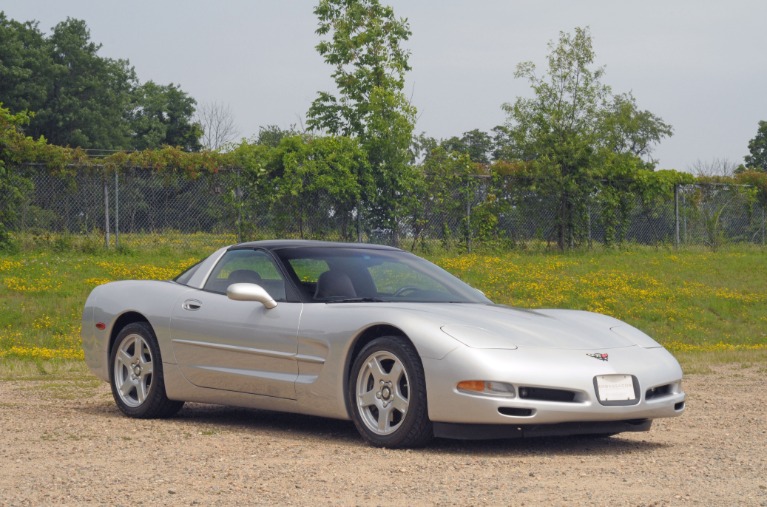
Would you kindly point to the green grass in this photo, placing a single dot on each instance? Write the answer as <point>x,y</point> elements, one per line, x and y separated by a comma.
<point>704,306</point>
<point>691,300</point>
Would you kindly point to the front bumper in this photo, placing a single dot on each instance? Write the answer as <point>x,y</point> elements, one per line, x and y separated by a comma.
<point>657,374</point>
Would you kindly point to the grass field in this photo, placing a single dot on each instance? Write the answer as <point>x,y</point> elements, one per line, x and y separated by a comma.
<point>703,306</point>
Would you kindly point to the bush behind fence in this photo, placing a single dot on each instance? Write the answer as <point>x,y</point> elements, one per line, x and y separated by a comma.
<point>134,208</point>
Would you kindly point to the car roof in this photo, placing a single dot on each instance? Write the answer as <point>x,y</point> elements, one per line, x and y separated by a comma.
<point>278,244</point>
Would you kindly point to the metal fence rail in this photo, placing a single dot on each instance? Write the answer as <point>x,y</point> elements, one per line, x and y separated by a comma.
<point>135,207</point>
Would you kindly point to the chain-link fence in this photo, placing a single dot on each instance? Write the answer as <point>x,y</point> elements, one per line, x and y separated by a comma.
<point>140,208</point>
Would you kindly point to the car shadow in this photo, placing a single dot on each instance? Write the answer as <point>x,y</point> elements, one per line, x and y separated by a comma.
<point>304,427</point>
<point>576,445</point>
<point>233,418</point>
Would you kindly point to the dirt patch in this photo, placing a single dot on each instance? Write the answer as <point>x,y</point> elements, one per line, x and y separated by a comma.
<point>66,443</point>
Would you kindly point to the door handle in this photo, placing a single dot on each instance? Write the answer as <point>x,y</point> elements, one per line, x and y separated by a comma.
<point>191,305</point>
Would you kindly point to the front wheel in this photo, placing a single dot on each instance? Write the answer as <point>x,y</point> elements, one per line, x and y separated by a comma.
<point>387,394</point>
<point>136,374</point>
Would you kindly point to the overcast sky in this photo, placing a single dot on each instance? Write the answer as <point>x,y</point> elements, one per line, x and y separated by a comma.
<point>701,65</point>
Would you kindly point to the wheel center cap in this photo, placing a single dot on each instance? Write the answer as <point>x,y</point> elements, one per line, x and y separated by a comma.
<point>136,370</point>
<point>386,393</point>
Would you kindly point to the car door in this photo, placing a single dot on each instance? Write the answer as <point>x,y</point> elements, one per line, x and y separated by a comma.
<point>238,346</point>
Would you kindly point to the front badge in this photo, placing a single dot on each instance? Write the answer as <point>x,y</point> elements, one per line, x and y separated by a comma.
<point>598,355</point>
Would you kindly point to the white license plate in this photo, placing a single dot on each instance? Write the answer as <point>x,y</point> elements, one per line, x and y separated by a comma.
<point>615,388</point>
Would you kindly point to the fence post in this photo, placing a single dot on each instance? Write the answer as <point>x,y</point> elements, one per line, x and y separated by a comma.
<point>117,211</point>
<point>676,215</point>
<point>589,223</point>
<point>359,222</point>
<point>106,210</point>
<point>238,201</point>
<point>468,223</point>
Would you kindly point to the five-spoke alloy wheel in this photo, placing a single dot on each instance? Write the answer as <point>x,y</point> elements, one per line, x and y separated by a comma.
<point>388,394</point>
<point>136,374</point>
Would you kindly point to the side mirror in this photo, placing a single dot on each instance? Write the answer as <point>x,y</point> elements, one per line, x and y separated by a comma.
<point>250,292</point>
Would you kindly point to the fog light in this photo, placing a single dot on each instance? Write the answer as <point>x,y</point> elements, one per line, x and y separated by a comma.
<point>488,387</point>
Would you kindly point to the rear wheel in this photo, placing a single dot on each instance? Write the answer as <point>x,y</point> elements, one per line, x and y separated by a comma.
<point>136,375</point>
<point>387,394</point>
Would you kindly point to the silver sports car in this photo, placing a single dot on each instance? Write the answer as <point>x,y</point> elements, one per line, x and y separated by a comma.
<point>376,335</point>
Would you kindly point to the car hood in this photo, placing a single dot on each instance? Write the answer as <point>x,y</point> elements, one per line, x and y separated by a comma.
<point>502,327</point>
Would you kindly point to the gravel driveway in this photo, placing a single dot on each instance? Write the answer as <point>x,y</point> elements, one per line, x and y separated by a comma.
<point>64,442</point>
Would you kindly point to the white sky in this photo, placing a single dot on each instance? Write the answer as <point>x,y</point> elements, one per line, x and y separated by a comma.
<point>701,65</point>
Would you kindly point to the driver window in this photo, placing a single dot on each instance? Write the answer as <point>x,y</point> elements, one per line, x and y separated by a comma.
<point>247,266</point>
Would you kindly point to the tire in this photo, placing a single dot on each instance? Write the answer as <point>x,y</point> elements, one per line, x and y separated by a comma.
<point>387,395</point>
<point>135,374</point>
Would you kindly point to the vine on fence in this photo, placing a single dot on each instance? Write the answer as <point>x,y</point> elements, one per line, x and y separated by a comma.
<point>318,186</point>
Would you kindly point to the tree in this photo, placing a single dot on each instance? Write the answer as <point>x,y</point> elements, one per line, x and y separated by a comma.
<point>217,123</point>
<point>271,135</point>
<point>576,134</point>
<point>475,143</point>
<point>15,148</point>
<point>90,96</point>
<point>363,44</point>
<point>26,66</point>
<point>447,188</point>
<point>81,99</point>
<point>163,115</point>
<point>757,148</point>
<point>627,129</point>
<point>716,167</point>
<point>318,184</point>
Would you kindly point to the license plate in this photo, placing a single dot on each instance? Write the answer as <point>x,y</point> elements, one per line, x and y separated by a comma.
<point>615,388</point>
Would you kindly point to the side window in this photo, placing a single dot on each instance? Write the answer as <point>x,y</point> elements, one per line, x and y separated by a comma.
<point>247,266</point>
<point>308,271</point>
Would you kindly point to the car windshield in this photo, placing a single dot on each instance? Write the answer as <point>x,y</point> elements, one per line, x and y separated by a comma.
<point>334,274</point>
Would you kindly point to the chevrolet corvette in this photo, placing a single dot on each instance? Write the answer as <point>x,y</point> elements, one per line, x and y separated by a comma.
<point>375,335</point>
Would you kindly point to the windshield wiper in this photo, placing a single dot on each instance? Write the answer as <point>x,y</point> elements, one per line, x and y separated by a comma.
<point>355,300</point>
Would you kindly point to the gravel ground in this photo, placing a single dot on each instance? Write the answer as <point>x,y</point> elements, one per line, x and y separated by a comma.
<point>64,442</point>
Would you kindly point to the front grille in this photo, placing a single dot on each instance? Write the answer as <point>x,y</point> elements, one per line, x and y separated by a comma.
<point>545,394</point>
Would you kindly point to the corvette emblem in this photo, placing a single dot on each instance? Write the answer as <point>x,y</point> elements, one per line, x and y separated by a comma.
<point>598,355</point>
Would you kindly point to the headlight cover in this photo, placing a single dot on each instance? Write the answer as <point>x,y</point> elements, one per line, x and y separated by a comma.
<point>635,336</point>
<point>477,338</point>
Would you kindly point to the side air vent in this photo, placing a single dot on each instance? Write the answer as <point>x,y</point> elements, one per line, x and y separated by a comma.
<point>516,412</point>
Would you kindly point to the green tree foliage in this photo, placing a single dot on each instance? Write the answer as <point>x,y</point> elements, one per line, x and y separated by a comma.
<point>90,95</point>
<point>362,41</point>
<point>15,148</point>
<point>628,130</point>
<point>319,175</point>
<point>577,134</point>
<point>307,185</point>
<point>757,148</point>
<point>26,65</point>
<point>81,99</point>
<point>271,135</point>
<point>476,144</point>
<point>447,189</point>
<point>162,115</point>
